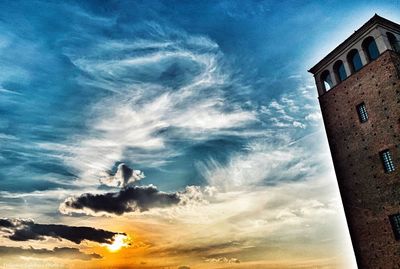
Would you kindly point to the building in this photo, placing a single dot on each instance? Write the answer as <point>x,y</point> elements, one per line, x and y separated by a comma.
<point>359,93</point>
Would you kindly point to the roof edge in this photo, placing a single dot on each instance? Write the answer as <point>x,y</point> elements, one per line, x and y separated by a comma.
<point>360,31</point>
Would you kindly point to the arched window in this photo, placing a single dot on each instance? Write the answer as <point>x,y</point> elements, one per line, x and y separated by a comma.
<point>370,48</point>
<point>339,70</point>
<point>393,42</point>
<point>354,60</point>
<point>326,80</point>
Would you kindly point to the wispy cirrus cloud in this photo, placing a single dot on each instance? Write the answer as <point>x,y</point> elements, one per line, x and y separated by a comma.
<point>168,87</point>
<point>262,163</point>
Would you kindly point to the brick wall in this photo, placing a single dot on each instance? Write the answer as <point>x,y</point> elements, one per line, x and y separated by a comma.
<point>369,194</point>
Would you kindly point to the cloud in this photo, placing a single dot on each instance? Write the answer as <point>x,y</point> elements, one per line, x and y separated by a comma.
<point>137,199</point>
<point>261,164</point>
<point>222,260</point>
<point>302,214</point>
<point>63,253</point>
<point>167,87</point>
<point>196,195</point>
<point>128,199</point>
<point>298,124</point>
<point>199,248</point>
<point>24,230</point>
<point>122,176</point>
<point>5,223</point>
<point>315,116</point>
<point>278,107</point>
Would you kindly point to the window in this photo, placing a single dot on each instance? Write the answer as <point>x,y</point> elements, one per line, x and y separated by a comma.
<point>354,60</point>
<point>326,80</point>
<point>387,161</point>
<point>340,71</point>
<point>370,48</point>
<point>362,112</point>
<point>395,222</point>
<point>393,42</point>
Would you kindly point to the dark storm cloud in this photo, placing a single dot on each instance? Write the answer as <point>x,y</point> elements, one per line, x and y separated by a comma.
<point>129,199</point>
<point>64,252</point>
<point>6,223</point>
<point>24,230</point>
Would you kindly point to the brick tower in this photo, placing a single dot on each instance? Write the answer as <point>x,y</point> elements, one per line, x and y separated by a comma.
<point>359,93</point>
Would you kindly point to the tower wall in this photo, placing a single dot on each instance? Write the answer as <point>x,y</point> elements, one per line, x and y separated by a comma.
<point>369,194</point>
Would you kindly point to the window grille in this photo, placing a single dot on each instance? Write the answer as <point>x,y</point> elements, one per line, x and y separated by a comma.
<point>362,112</point>
<point>387,161</point>
<point>395,222</point>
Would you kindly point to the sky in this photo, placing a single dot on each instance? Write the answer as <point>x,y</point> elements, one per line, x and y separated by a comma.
<point>170,134</point>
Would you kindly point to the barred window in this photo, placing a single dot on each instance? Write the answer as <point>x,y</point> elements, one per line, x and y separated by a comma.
<point>387,161</point>
<point>395,222</point>
<point>362,112</point>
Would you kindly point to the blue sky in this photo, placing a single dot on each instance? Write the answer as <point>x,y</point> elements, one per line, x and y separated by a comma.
<point>191,93</point>
<point>55,59</point>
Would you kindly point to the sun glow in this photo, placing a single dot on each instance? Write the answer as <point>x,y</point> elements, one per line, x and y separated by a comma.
<point>120,241</point>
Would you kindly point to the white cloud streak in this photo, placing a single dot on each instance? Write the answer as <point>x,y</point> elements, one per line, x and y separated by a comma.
<point>140,111</point>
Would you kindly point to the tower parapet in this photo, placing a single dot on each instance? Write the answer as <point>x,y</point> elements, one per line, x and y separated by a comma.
<point>365,45</point>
